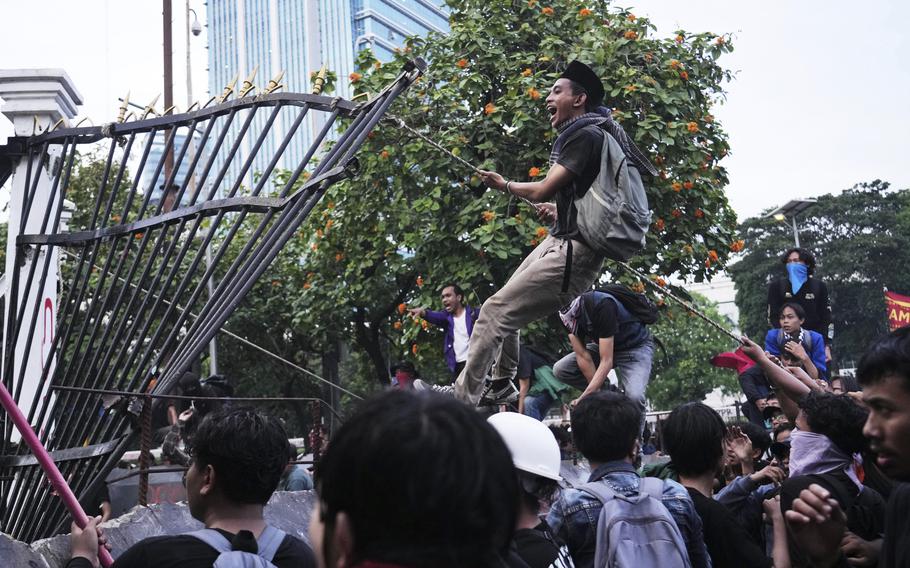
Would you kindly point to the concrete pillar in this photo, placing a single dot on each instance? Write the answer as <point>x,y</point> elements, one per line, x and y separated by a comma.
<point>30,97</point>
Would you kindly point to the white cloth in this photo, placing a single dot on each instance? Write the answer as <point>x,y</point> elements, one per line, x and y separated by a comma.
<point>461,337</point>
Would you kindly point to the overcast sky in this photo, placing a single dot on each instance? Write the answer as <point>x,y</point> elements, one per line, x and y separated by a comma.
<point>820,99</point>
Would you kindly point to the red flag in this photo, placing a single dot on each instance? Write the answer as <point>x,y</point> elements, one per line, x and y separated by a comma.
<point>898,307</point>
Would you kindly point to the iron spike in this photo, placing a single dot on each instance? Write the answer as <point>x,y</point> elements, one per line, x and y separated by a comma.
<point>58,124</point>
<point>121,116</point>
<point>274,84</point>
<point>248,83</point>
<point>151,108</point>
<point>229,89</point>
<point>319,83</point>
<point>83,120</point>
<point>192,105</point>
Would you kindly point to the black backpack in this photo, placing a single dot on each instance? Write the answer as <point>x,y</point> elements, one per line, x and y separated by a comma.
<point>637,304</point>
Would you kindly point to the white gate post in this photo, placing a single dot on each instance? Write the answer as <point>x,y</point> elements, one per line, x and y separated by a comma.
<point>30,97</point>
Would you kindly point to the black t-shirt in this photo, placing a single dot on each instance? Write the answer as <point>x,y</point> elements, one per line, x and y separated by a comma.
<point>728,542</point>
<point>754,383</point>
<point>603,319</point>
<point>581,156</point>
<point>539,548</point>
<point>896,547</point>
<point>184,551</point>
<point>528,362</point>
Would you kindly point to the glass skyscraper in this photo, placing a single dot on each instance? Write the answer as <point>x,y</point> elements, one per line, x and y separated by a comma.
<point>300,36</point>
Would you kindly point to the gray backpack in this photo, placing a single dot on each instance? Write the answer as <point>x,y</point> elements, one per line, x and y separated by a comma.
<point>269,541</point>
<point>636,530</point>
<point>613,215</point>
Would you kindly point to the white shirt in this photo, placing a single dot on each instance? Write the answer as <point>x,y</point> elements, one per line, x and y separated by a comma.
<point>461,337</point>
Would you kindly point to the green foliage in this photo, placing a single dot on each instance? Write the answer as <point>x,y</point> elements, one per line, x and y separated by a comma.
<point>859,241</point>
<point>415,219</point>
<point>684,373</point>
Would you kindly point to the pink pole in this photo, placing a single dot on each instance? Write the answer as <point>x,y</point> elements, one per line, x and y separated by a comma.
<point>49,467</point>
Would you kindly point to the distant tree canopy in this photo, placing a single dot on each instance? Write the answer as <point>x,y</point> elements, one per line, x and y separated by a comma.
<point>859,239</point>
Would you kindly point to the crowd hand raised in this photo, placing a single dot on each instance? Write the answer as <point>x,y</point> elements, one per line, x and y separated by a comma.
<point>772,508</point>
<point>768,474</point>
<point>492,179</point>
<point>739,444</point>
<point>860,552</point>
<point>546,212</point>
<point>752,349</point>
<point>817,524</point>
<point>84,542</point>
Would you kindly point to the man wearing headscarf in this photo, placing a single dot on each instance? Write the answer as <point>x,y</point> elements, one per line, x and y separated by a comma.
<point>563,266</point>
<point>801,287</point>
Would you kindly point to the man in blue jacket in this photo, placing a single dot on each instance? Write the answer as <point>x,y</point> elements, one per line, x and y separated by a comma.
<point>457,320</point>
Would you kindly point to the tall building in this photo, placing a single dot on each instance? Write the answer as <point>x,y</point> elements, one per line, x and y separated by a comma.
<point>300,36</point>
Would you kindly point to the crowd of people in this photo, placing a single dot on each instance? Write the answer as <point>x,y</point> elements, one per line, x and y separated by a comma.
<point>417,478</point>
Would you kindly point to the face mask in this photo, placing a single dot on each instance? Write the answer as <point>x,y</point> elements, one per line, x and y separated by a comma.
<point>569,315</point>
<point>812,453</point>
<point>798,274</point>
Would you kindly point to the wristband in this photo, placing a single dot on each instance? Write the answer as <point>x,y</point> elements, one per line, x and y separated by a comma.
<point>509,186</point>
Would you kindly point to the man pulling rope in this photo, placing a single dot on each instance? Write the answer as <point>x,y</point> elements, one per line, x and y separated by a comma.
<point>563,265</point>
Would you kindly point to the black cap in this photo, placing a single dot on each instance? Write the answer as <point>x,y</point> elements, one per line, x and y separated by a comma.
<point>587,78</point>
<point>771,411</point>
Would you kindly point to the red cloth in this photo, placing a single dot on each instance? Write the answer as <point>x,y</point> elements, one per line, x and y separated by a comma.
<point>733,360</point>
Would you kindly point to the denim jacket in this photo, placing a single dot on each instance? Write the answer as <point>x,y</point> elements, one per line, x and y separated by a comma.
<point>575,514</point>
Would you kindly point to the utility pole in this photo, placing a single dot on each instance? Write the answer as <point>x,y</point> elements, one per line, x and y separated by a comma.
<point>168,85</point>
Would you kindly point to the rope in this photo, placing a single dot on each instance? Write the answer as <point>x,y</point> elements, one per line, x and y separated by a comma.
<point>246,342</point>
<point>663,291</point>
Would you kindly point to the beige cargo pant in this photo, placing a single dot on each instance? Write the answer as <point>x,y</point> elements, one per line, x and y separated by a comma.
<point>533,292</point>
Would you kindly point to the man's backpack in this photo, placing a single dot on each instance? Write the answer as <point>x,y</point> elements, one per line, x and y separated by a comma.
<point>269,542</point>
<point>636,530</point>
<point>613,215</point>
<point>636,304</point>
<point>804,337</point>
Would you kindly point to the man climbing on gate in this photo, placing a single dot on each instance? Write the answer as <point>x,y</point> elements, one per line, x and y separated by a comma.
<point>563,265</point>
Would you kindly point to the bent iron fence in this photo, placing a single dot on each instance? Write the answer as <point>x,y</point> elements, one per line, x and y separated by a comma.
<point>140,270</point>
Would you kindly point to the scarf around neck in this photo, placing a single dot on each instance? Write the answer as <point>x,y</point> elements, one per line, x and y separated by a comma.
<point>601,117</point>
<point>812,453</point>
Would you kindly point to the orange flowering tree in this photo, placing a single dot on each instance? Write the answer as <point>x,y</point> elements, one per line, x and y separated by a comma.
<point>415,212</point>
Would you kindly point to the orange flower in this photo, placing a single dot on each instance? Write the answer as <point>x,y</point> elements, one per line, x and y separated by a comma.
<point>688,249</point>
<point>377,64</point>
<point>489,215</point>
<point>414,349</point>
<point>462,63</point>
<point>699,213</point>
<point>676,213</point>
<point>688,185</point>
<point>684,75</point>
<point>674,64</point>
<point>659,224</point>
<point>649,57</point>
<point>339,256</point>
<point>384,154</point>
<point>355,76</point>
<point>679,38</point>
<point>692,127</point>
<point>424,325</point>
<point>489,108</point>
<point>720,40</point>
<point>584,12</point>
<point>137,236</point>
<point>402,308</point>
<point>638,287</point>
<point>676,186</point>
<point>712,254</point>
<point>533,93</point>
<point>314,247</point>
<point>420,281</point>
<point>276,283</point>
<point>631,17</point>
<point>547,11</point>
<point>541,232</point>
<point>397,325</point>
<point>660,281</point>
<point>527,72</point>
<point>534,242</point>
<point>532,3</point>
<point>307,285</point>
<point>331,205</point>
<point>707,263</point>
<point>737,246</point>
<point>534,172</point>
<point>328,224</point>
<point>630,88</point>
<point>630,34</point>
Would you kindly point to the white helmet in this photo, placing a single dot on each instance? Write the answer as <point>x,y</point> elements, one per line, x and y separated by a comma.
<point>533,447</point>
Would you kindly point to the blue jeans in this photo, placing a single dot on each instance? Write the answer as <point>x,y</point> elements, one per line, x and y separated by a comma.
<point>633,367</point>
<point>538,405</point>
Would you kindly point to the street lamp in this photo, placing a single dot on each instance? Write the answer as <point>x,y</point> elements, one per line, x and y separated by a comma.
<point>791,209</point>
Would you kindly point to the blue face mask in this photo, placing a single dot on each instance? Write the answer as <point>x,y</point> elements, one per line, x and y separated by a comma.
<point>798,274</point>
